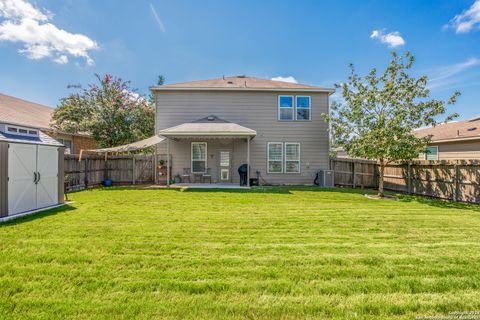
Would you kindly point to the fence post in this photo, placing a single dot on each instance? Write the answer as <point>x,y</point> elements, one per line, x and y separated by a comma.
<point>353,174</point>
<point>409,177</point>
<point>86,172</point>
<point>134,169</point>
<point>457,176</point>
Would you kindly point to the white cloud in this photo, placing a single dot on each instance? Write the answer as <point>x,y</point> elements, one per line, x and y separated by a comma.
<point>28,25</point>
<point>63,59</point>
<point>13,9</point>
<point>447,76</point>
<point>467,20</point>
<point>157,18</point>
<point>285,79</point>
<point>392,39</point>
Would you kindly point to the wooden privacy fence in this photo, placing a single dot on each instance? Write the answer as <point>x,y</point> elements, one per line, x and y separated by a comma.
<point>122,170</point>
<point>453,180</point>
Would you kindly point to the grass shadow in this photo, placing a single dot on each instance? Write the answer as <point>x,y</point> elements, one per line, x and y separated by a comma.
<point>37,215</point>
<point>439,203</point>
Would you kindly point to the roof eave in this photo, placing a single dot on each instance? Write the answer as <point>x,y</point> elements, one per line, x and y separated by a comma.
<point>455,139</point>
<point>199,133</point>
<point>166,88</point>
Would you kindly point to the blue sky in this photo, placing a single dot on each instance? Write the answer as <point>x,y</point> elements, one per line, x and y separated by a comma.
<point>311,41</point>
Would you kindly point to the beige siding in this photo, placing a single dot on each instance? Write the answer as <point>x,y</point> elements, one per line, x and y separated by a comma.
<point>461,150</point>
<point>257,111</point>
<point>3,179</point>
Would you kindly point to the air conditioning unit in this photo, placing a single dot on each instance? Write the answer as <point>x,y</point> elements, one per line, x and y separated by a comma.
<point>326,178</point>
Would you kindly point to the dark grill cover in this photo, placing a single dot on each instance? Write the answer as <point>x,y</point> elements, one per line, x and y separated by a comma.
<point>242,169</point>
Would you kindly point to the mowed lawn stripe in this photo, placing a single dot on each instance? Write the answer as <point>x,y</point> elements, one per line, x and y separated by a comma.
<point>263,253</point>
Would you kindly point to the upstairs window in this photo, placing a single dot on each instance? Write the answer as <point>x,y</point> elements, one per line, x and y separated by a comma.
<point>285,108</point>
<point>303,107</point>
<point>294,108</point>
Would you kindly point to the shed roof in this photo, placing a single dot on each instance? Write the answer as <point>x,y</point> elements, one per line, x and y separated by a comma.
<point>208,126</point>
<point>41,139</point>
<point>452,131</point>
<point>241,83</point>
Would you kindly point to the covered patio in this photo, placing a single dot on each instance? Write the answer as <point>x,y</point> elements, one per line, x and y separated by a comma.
<point>207,150</point>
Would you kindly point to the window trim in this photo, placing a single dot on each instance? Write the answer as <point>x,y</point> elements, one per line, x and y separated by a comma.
<point>299,157</point>
<point>426,153</point>
<point>309,108</point>
<point>191,156</point>
<point>268,157</point>
<point>62,141</point>
<point>14,129</point>
<point>293,108</point>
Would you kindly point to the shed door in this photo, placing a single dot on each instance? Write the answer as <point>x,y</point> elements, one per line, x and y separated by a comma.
<point>22,160</point>
<point>47,167</point>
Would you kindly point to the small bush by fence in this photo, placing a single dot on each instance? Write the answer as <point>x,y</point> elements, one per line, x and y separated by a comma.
<point>122,170</point>
<point>453,180</point>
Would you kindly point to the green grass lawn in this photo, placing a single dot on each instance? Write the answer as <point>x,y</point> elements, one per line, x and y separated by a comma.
<point>266,253</point>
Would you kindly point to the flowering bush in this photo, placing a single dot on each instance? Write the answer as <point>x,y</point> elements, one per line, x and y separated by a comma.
<point>110,111</point>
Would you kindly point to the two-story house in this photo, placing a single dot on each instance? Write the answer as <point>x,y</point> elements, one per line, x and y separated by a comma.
<point>212,127</point>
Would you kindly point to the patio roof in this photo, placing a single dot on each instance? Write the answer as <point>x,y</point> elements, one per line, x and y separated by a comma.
<point>208,126</point>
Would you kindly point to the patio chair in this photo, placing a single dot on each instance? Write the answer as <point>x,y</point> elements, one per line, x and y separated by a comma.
<point>186,175</point>
<point>207,175</point>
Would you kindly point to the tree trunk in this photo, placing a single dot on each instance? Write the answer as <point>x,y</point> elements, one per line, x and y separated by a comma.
<point>380,178</point>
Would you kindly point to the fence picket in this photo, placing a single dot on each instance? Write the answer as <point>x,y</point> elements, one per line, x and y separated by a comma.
<point>454,180</point>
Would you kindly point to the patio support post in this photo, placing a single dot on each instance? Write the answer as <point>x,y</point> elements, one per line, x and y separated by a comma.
<point>168,162</point>
<point>248,161</point>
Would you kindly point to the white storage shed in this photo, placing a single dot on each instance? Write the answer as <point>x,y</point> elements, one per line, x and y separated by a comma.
<point>31,171</point>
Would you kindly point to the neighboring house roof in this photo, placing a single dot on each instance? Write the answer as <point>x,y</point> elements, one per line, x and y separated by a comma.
<point>242,83</point>
<point>21,112</point>
<point>25,113</point>
<point>41,139</point>
<point>208,126</point>
<point>452,131</point>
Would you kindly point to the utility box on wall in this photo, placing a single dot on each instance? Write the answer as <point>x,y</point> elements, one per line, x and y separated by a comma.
<point>31,173</point>
<point>326,178</point>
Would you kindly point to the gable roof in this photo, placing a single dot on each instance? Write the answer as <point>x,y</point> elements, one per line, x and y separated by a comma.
<point>21,112</point>
<point>241,83</point>
<point>208,126</point>
<point>452,131</point>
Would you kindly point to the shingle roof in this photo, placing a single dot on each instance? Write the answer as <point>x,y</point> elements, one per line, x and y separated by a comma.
<point>17,111</point>
<point>208,126</point>
<point>242,83</point>
<point>461,130</point>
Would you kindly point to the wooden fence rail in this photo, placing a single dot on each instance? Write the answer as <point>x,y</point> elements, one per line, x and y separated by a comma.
<point>453,180</point>
<point>122,170</point>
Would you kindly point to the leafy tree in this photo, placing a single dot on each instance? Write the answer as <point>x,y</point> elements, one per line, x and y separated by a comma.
<point>160,82</point>
<point>110,110</point>
<point>380,112</point>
